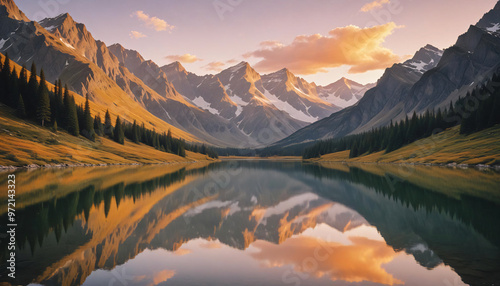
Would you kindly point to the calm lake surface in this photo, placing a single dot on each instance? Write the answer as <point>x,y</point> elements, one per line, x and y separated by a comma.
<point>256,223</point>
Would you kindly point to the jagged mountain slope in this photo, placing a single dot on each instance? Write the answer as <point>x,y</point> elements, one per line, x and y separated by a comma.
<point>181,110</point>
<point>68,51</point>
<point>26,42</point>
<point>267,108</point>
<point>379,104</point>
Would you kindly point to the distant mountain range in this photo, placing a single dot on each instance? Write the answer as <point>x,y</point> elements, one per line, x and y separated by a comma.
<point>430,80</point>
<point>237,107</point>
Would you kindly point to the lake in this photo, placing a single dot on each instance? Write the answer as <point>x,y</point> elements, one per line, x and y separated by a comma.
<point>255,223</point>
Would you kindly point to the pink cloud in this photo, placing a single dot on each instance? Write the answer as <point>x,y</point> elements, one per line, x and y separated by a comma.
<point>359,48</point>
<point>186,58</point>
<point>136,35</point>
<point>374,5</point>
<point>154,23</point>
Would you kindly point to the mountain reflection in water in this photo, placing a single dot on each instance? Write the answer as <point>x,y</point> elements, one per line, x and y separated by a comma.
<point>257,223</point>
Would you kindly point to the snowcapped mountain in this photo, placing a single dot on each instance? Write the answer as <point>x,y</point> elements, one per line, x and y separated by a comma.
<point>237,107</point>
<point>344,92</point>
<point>277,104</point>
<point>425,59</point>
<point>430,80</point>
<point>379,105</point>
<point>236,94</point>
<point>182,111</point>
<point>296,96</point>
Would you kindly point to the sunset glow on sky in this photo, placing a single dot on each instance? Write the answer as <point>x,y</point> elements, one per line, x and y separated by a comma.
<point>318,40</point>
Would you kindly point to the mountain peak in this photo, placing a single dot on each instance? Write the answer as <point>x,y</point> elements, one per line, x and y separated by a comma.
<point>497,6</point>
<point>9,8</point>
<point>424,59</point>
<point>177,66</point>
<point>240,65</point>
<point>491,20</point>
<point>62,22</point>
<point>117,46</point>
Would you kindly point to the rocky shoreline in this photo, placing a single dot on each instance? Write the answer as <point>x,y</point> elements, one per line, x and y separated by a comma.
<point>67,165</point>
<point>449,165</point>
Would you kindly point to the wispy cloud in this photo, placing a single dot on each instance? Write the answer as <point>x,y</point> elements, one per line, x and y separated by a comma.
<point>214,66</point>
<point>374,5</point>
<point>154,23</point>
<point>271,44</point>
<point>359,48</point>
<point>186,58</point>
<point>136,35</point>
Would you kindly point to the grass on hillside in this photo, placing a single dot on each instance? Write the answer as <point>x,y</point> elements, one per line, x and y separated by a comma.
<point>23,143</point>
<point>444,148</point>
<point>110,97</point>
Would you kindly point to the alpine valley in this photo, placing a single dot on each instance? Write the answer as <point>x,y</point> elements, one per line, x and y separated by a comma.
<point>238,107</point>
<point>150,143</point>
<point>229,109</point>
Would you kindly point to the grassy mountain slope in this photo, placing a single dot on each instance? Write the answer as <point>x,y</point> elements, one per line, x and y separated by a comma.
<point>23,143</point>
<point>445,148</point>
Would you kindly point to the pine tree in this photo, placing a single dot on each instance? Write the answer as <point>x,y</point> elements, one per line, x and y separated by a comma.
<point>30,99</point>
<point>88,121</point>
<point>135,132</point>
<point>119,135</point>
<point>182,150</point>
<point>98,127</point>
<point>354,150</point>
<point>21,110</point>
<point>5,80</point>
<point>168,146</point>
<point>13,96</point>
<point>59,102</point>
<point>65,108</point>
<point>108,127</point>
<point>411,129</point>
<point>23,80</point>
<point>43,106</point>
<point>72,118</point>
<point>494,117</point>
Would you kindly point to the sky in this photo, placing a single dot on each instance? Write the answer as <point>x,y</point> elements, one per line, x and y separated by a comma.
<point>319,40</point>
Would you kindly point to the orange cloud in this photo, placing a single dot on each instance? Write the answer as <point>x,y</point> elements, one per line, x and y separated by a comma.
<point>186,58</point>
<point>214,66</point>
<point>163,276</point>
<point>136,35</point>
<point>374,5</point>
<point>360,48</point>
<point>361,261</point>
<point>152,280</point>
<point>182,251</point>
<point>154,23</point>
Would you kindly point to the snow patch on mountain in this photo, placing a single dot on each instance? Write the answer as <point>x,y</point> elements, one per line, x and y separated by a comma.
<point>495,28</point>
<point>2,43</point>
<point>51,28</point>
<point>288,108</point>
<point>335,99</point>
<point>201,103</point>
<point>418,66</point>
<point>66,44</point>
